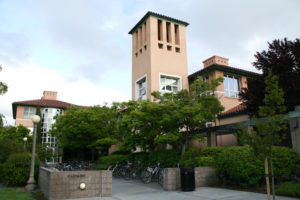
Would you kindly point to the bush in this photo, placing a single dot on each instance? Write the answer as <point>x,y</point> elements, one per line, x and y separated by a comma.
<point>203,151</point>
<point>9,146</point>
<point>201,161</point>
<point>105,161</point>
<point>140,158</point>
<point>285,162</point>
<point>166,158</point>
<point>15,171</point>
<point>289,189</point>
<point>239,166</point>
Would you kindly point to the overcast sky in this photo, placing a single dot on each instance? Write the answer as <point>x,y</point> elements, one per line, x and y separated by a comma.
<point>82,50</point>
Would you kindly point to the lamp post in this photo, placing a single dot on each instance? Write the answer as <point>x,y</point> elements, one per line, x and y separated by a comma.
<point>25,140</point>
<point>31,182</point>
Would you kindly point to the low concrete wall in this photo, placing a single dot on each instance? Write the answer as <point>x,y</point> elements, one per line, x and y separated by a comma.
<point>204,176</point>
<point>65,184</point>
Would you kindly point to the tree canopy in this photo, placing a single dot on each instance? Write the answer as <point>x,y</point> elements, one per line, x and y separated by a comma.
<point>173,118</point>
<point>283,58</point>
<point>92,128</point>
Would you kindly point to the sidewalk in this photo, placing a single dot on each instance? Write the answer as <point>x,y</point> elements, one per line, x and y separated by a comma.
<point>136,190</point>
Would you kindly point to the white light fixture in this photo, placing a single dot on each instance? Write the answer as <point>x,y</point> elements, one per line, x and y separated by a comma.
<point>36,119</point>
<point>82,186</point>
<point>25,139</point>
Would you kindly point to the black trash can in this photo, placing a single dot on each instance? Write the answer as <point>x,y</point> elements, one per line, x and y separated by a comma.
<point>187,178</point>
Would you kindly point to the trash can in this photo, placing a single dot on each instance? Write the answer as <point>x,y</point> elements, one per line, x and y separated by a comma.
<point>187,178</point>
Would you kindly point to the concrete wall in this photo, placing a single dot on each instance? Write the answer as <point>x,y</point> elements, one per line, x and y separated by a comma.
<point>204,176</point>
<point>65,184</point>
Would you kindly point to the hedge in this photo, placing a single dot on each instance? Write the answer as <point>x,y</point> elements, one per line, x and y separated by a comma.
<point>15,171</point>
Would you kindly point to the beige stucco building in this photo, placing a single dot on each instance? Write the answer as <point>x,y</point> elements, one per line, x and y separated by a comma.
<point>159,63</point>
<point>159,57</point>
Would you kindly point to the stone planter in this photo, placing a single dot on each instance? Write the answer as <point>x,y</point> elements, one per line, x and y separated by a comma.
<point>66,184</point>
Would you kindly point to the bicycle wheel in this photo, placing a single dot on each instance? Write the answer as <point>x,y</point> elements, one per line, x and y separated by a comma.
<point>161,178</point>
<point>127,174</point>
<point>146,177</point>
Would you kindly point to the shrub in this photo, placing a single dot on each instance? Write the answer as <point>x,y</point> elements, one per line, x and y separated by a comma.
<point>105,161</point>
<point>140,158</point>
<point>201,161</point>
<point>285,161</point>
<point>239,166</point>
<point>166,158</point>
<point>9,146</point>
<point>15,171</point>
<point>289,189</point>
<point>203,151</point>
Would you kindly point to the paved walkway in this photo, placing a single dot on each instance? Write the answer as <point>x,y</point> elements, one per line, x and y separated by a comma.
<point>136,190</point>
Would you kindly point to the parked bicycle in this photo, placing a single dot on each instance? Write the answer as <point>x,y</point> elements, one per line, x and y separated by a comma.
<point>153,173</point>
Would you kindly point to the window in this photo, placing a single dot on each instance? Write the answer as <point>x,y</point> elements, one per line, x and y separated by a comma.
<point>168,29</point>
<point>159,29</point>
<point>28,112</point>
<point>177,41</point>
<point>169,84</point>
<point>141,88</point>
<point>231,86</point>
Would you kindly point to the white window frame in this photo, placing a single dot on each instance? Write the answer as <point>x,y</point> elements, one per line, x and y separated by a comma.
<point>137,89</point>
<point>230,90</point>
<point>28,114</point>
<point>171,76</point>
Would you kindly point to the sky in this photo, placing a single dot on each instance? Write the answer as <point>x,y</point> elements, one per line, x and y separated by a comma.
<point>82,49</point>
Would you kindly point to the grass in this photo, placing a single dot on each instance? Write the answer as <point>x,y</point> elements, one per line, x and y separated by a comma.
<point>12,194</point>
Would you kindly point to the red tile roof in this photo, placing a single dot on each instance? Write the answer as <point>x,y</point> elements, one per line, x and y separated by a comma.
<point>235,110</point>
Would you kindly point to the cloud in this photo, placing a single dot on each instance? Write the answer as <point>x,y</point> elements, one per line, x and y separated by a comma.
<point>29,81</point>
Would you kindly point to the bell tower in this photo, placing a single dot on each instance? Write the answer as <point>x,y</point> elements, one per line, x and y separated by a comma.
<point>159,59</point>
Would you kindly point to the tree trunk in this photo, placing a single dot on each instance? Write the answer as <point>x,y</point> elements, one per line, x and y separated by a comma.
<point>184,145</point>
<point>267,177</point>
<point>272,173</point>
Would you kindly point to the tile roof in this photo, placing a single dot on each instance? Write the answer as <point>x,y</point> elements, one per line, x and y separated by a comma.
<point>149,13</point>
<point>241,108</point>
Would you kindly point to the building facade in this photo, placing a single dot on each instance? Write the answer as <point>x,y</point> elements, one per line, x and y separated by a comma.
<point>49,108</point>
<point>159,63</point>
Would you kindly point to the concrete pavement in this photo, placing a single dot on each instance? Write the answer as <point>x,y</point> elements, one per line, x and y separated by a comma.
<point>136,190</point>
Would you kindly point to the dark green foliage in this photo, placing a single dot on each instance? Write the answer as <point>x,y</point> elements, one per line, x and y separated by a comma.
<point>140,158</point>
<point>201,161</point>
<point>285,162</point>
<point>105,161</point>
<point>203,151</point>
<point>166,158</point>
<point>15,171</point>
<point>240,166</point>
<point>9,146</point>
<point>289,189</point>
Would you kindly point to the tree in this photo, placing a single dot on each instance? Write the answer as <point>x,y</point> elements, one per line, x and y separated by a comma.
<point>270,126</point>
<point>93,128</point>
<point>3,86</point>
<point>283,57</point>
<point>173,118</point>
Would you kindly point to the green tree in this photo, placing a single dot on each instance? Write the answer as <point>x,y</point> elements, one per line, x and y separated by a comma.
<point>3,86</point>
<point>93,128</point>
<point>173,118</point>
<point>269,127</point>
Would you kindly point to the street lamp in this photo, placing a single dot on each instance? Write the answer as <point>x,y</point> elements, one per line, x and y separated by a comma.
<point>31,182</point>
<point>25,140</point>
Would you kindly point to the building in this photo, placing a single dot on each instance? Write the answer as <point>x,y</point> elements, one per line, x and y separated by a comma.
<point>49,107</point>
<point>159,63</point>
<point>159,59</point>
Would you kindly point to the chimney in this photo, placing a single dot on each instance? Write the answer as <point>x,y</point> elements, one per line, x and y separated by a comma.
<point>49,95</point>
<point>215,60</point>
